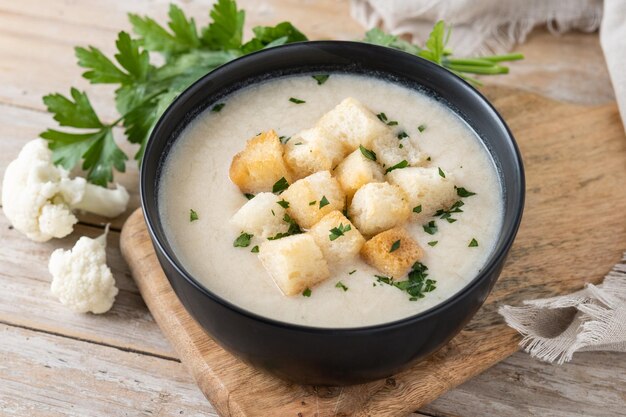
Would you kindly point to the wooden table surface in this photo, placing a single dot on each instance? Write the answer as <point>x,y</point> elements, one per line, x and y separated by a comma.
<point>55,363</point>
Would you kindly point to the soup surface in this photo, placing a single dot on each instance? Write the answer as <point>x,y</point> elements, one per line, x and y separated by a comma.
<point>196,177</point>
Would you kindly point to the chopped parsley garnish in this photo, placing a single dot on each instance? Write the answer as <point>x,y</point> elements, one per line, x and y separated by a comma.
<point>430,228</point>
<point>416,285</point>
<point>273,214</point>
<point>399,165</point>
<point>324,201</point>
<point>402,135</point>
<point>306,292</point>
<point>296,144</point>
<point>447,214</point>
<point>193,216</point>
<point>369,154</point>
<point>243,241</point>
<point>462,192</point>
<point>284,139</point>
<point>283,203</point>
<point>281,185</point>
<point>312,203</point>
<point>321,79</point>
<point>249,196</point>
<point>218,107</point>
<point>294,229</point>
<point>341,285</point>
<point>400,146</point>
<point>473,243</point>
<point>395,246</point>
<point>417,209</point>
<point>296,100</point>
<point>421,128</point>
<point>441,173</point>
<point>433,243</point>
<point>383,118</point>
<point>255,249</point>
<point>428,159</point>
<point>339,231</point>
<point>352,272</point>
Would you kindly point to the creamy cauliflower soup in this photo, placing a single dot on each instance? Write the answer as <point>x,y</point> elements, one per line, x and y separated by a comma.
<point>340,201</point>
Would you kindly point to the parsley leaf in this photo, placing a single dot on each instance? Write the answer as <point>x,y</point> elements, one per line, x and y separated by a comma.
<point>324,201</point>
<point>417,209</point>
<point>395,246</point>
<point>421,128</point>
<point>306,292</point>
<point>218,107</point>
<point>296,100</point>
<point>243,241</point>
<point>369,154</point>
<point>473,243</point>
<point>430,228</point>
<point>226,29</point>
<point>433,243</point>
<point>249,196</point>
<point>280,185</point>
<point>339,231</point>
<point>255,249</point>
<point>341,285</point>
<point>462,192</point>
<point>402,135</point>
<point>193,216</point>
<point>441,173</point>
<point>399,165</point>
<point>321,79</point>
<point>283,203</point>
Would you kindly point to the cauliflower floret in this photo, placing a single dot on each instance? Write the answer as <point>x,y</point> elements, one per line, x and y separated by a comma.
<point>38,197</point>
<point>81,278</point>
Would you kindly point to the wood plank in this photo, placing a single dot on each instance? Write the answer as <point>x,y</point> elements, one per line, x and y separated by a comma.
<point>25,297</point>
<point>43,375</point>
<point>549,257</point>
<point>592,385</point>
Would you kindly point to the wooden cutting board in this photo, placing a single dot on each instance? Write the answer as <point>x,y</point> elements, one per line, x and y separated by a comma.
<point>574,230</point>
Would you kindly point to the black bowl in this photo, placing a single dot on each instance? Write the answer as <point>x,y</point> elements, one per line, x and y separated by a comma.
<point>329,356</point>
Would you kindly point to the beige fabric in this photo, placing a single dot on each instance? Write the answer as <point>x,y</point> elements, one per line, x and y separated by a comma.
<point>593,318</point>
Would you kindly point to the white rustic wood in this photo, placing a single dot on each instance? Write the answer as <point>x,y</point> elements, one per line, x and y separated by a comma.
<point>36,57</point>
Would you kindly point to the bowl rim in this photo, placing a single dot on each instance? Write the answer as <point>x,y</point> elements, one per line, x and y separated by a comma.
<point>484,273</point>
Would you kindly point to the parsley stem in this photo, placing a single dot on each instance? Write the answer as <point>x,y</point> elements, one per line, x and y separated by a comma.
<point>476,69</point>
<point>505,57</point>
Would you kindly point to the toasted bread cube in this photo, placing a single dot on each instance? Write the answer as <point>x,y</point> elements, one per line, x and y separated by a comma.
<point>392,252</point>
<point>306,195</point>
<point>262,216</point>
<point>341,245</point>
<point>353,124</point>
<point>378,206</point>
<point>294,263</point>
<point>425,187</point>
<point>390,151</point>
<point>312,150</point>
<point>260,165</point>
<point>355,171</point>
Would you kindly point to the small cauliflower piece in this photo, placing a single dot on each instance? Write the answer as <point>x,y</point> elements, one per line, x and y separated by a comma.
<point>355,171</point>
<point>294,263</point>
<point>392,252</point>
<point>260,165</point>
<point>312,150</point>
<point>378,206</point>
<point>353,124</point>
<point>425,187</point>
<point>313,197</point>
<point>38,197</point>
<point>390,151</point>
<point>262,216</point>
<point>337,244</point>
<point>81,278</point>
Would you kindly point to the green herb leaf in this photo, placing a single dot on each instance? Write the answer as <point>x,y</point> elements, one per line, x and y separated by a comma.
<point>473,243</point>
<point>433,243</point>
<point>339,231</point>
<point>270,36</point>
<point>312,203</point>
<point>462,192</point>
<point>369,154</point>
<point>441,173</point>
<point>352,272</point>
<point>395,246</point>
<point>430,228</point>
<point>249,196</point>
<point>296,100</point>
<point>226,29</point>
<point>340,284</point>
<point>283,203</point>
<point>193,216</point>
<point>417,209</point>
<point>243,241</point>
<point>306,292</point>
<point>280,185</point>
<point>383,118</point>
<point>324,202</point>
<point>399,165</point>
<point>321,79</point>
<point>402,135</point>
<point>255,249</point>
<point>284,139</point>
<point>218,107</point>
<point>421,128</point>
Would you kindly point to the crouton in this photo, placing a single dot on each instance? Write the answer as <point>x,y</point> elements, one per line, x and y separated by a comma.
<point>312,150</point>
<point>392,252</point>
<point>262,216</point>
<point>426,189</point>
<point>390,151</point>
<point>378,206</point>
<point>337,237</point>
<point>353,124</point>
<point>355,171</point>
<point>294,263</point>
<point>260,165</point>
<point>312,197</point>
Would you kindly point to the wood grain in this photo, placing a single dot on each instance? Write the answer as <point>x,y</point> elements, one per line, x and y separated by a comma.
<point>571,216</point>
